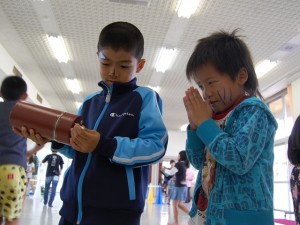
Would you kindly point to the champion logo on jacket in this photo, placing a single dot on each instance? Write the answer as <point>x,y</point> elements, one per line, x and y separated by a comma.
<point>121,115</point>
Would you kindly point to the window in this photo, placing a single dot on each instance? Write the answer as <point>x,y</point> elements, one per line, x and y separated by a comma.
<point>280,106</point>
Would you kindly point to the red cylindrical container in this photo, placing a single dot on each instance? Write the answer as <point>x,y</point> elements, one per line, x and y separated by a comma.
<point>49,123</point>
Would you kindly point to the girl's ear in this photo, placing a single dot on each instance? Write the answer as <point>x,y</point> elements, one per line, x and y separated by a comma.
<point>242,76</point>
<point>140,65</point>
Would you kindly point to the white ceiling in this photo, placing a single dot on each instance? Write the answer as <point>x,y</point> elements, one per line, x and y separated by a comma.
<point>266,24</point>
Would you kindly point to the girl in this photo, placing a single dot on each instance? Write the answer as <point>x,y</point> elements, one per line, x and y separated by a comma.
<point>178,195</point>
<point>294,158</point>
<point>230,136</point>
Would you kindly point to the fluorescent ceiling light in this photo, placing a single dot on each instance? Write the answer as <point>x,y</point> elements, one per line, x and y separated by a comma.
<point>59,48</point>
<point>183,127</point>
<point>186,8</point>
<point>264,67</point>
<point>165,59</point>
<point>73,85</point>
<point>156,88</point>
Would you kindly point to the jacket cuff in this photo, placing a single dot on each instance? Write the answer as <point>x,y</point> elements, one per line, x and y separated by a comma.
<point>56,145</point>
<point>208,131</point>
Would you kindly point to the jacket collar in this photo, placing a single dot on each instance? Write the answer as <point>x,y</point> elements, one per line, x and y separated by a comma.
<point>119,88</point>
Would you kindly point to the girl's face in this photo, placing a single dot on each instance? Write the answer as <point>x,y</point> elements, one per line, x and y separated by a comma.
<point>118,66</point>
<point>218,89</point>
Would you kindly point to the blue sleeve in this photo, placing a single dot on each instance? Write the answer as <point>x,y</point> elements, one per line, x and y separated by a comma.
<point>66,150</point>
<point>239,150</point>
<point>151,143</point>
<point>194,149</point>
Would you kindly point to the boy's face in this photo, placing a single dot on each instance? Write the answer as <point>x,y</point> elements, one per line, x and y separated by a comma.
<point>218,89</point>
<point>118,66</point>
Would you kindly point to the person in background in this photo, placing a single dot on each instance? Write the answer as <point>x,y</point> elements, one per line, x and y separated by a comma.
<point>169,173</point>
<point>123,134</point>
<point>230,137</point>
<point>29,171</point>
<point>190,176</point>
<point>35,172</point>
<point>294,158</point>
<point>54,168</point>
<point>178,195</point>
<point>13,153</point>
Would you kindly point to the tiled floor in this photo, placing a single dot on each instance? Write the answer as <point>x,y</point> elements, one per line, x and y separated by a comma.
<point>35,213</point>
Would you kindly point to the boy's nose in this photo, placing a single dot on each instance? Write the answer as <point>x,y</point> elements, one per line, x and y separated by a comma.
<point>113,72</point>
<point>206,94</point>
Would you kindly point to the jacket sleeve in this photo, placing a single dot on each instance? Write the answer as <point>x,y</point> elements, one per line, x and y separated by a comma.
<point>171,172</point>
<point>240,150</point>
<point>150,144</point>
<point>66,150</point>
<point>194,149</point>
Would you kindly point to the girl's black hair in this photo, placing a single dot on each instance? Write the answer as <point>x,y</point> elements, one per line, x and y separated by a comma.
<point>294,144</point>
<point>228,54</point>
<point>122,35</point>
<point>183,157</point>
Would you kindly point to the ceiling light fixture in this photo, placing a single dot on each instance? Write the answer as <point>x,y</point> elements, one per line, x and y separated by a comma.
<point>59,48</point>
<point>264,67</point>
<point>73,85</point>
<point>186,8</point>
<point>165,59</point>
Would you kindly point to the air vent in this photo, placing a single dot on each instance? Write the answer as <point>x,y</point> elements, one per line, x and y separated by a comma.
<point>133,2</point>
<point>16,72</point>
<point>288,47</point>
<point>39,98</point>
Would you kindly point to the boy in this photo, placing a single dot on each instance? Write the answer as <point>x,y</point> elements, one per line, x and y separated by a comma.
<point>13,151</point>
<point>123,133</point>
<point>230,138</point>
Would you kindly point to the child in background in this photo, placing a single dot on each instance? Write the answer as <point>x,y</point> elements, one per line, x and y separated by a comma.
<point>179,192</point>
<point>13,153</point>
<point>294,158</point>
<point>123,134</point>
<point>190,176</point>
<point>230,137</point>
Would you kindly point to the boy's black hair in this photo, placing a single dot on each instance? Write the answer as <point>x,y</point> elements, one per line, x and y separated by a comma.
<point>122,35</point>
<point>12,88</point>
<point>228,54</point>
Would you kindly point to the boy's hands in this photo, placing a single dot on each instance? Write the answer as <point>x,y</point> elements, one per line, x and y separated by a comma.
<point>84,140</point>
<point>197,109</point>
<point>31,134</point>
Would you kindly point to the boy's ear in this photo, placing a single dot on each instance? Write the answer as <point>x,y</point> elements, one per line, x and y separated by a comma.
<point>242,76</point>
<point>140,65</point>
<point>24,96</point>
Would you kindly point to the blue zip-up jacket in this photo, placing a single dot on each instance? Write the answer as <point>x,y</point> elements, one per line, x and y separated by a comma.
<point>243,190</point>
<point>115,175</point>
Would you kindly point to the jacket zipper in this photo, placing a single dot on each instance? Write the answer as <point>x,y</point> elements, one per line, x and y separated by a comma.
<point>87,163</point>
